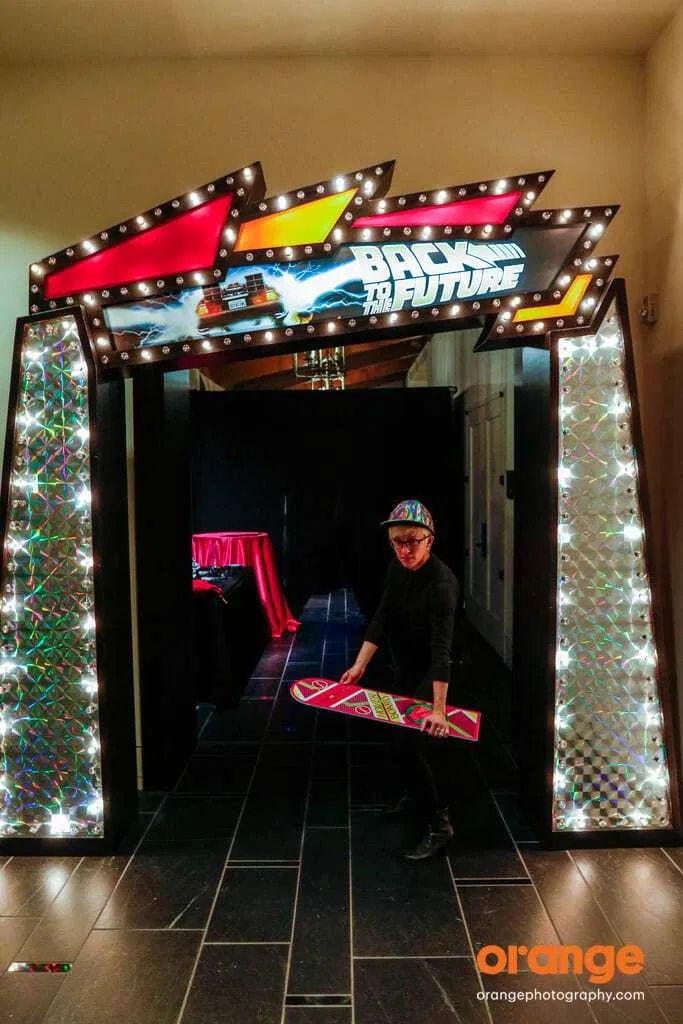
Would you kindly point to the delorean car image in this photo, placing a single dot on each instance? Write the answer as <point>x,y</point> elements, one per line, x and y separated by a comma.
<point>241,300</point>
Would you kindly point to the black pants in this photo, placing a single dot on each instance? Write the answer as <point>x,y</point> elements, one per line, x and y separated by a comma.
<point>419,756</point>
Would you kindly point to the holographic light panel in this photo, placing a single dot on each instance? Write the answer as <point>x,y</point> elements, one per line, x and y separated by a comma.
<point>50,766</point>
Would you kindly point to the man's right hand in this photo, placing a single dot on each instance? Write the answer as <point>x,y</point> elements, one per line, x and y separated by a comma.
<point>353,675</point>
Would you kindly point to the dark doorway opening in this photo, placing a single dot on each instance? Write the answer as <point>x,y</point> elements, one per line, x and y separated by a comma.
<point>319,471</point>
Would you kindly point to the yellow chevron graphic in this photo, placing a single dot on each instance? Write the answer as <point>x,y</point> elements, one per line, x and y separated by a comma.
<point>307,224</point>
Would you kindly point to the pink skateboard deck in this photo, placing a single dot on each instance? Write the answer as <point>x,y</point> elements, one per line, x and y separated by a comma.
<point>381,707</point>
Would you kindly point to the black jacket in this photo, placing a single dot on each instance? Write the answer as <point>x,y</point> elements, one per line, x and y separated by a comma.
<point>417,614</point>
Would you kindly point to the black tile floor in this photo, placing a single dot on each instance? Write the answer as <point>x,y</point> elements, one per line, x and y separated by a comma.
<point>268,888</point>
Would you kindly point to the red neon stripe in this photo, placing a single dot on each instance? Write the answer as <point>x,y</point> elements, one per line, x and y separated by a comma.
<point>485,210</point>
<point>187,243</point>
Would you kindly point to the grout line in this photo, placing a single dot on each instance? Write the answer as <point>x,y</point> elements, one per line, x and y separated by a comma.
<point>669,857</point>
<point>166,928</point>
<point>56,896</point>
<point>130,859</point>
<point>301,847</point>
<point>468,936</point>
<point>296,894</point>
<point>502,743</point>
<point>202,942</point>
<point>233,866</point>
<point>204,725</point>
<point>594,896</point>
<point>265,942</point>
<point>557,932</point>
<point>418,956</point>
<point>318,995</point>
<point>492,882</point>
<point>509,832</point>
<point>611,924</point>
<point>606,917</point>
<point>318,1006</point>
<point>254,862</point>
<point>351,924</point>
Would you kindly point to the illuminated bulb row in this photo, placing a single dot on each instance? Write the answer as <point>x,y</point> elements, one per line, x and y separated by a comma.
<point>142,222</point>
<point>439,196</point>
<point>362,180</point>
<point>206,345</point>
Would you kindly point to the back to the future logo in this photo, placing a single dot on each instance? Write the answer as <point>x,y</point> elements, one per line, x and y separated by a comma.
<point>402,276</point>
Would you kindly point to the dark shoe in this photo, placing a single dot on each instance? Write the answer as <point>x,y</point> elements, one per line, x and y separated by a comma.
<point>400,807</point>
<point>439,833</point>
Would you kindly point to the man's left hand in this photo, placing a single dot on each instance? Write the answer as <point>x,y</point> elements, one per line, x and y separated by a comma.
<point>435,724</point>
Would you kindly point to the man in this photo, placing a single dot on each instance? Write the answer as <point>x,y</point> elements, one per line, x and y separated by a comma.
<point>416,614</point>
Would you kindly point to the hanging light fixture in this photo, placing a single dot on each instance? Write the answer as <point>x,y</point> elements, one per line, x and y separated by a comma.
<point>324,368</point>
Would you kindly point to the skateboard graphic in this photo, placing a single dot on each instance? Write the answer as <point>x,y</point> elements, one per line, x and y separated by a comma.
<point>374,705</point>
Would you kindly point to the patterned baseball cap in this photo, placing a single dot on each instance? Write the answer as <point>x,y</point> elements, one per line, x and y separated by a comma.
<point>410,512</point>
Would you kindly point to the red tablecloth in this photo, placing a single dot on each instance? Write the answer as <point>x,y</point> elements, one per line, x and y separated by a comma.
<point>256,550</point>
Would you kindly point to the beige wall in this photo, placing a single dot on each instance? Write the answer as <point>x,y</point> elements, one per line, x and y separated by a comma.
<point>663,341</point>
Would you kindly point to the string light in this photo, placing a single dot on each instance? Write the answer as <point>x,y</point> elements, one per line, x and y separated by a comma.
<point>51,666</point>
<point>603,668</point>
<point>60,824</point>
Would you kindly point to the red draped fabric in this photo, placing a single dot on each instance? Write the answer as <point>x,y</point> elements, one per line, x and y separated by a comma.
<point>201,586</point>
<point>256,550</point>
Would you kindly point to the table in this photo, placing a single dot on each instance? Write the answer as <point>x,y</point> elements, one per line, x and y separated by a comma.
<point>253,548</point>
<point>230,632</point>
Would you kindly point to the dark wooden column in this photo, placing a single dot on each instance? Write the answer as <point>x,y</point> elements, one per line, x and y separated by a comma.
<point>161,434</point>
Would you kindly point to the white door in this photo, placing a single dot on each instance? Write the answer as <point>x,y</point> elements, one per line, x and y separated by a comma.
<point>489,522</point>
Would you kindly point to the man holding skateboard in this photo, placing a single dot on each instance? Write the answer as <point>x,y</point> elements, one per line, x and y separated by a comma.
<point>416,614</point>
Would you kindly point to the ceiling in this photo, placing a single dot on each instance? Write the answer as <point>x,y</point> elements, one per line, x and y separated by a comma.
<point>378,364</point>
<point>70,30</point>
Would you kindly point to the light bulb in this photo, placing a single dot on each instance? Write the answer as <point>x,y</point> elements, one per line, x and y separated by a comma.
<point>562,658</point>
<point>96,806</point>
<point>60,823</point>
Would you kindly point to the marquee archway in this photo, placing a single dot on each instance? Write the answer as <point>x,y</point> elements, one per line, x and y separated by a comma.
<point>224,273</point>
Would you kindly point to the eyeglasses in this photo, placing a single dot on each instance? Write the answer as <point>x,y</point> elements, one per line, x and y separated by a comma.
<point>410,544</point>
